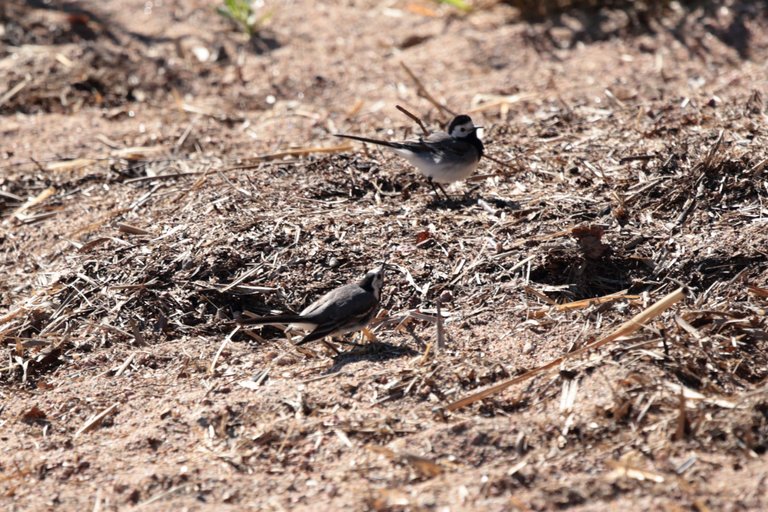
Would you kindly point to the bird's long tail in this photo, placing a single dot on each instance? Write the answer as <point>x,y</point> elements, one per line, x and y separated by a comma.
<point>274,319</point>
<point>388,144</point>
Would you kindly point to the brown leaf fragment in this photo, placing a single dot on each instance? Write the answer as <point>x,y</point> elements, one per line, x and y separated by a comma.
<point>682,425</point>
<point>49,360</point>
<point>42,385</point>
<point>423,236</point>
<point>33,415</point>
<point>421,10</point>
<point>413,40</point>
<point>388,499</point>
<point>755,104</point>
<point>424,467</point>
<point>589,238</point>
<point>132,230</point>
<point>760,292</point>
<point>625,469</point>
<point>86,247</point>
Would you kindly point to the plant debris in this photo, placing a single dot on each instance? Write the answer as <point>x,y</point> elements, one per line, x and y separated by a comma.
<point>161,175</point>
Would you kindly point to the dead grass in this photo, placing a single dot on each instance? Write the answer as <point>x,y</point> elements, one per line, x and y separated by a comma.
<point>130,241</point>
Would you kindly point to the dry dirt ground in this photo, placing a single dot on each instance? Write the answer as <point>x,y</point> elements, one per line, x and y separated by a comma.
<point>160,175</point>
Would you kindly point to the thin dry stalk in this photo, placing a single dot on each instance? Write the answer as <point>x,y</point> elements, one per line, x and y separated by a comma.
<point>13,91</point>
<point>423,466</point>
<point>414,117</point>
<point>125,365</point>
<point>624,329</point>
<point>585,303</point>
<point>440,329</point>
<point>31,203</point>
<point>258,160</point>
<point>221,349</point>
<point>682,417</point>
<point>622,469</point>
<point>95,420</point>
<point>484,102</point>
<point>424,93</point>
<point>496,160</point>
<point>132,230</point>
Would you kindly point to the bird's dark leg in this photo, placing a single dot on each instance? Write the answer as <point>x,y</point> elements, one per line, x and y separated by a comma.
<point>351,343</point>
<point>472,190</point>
<point>435,186</point>
<point>330,345</point>
<point>443,191</point>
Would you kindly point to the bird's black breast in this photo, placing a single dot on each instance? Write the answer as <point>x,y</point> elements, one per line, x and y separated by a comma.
<point>477,143</point>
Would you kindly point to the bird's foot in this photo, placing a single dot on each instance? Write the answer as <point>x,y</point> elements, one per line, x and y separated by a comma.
<point>367,334</point>
<point>437,189</point>
<point>331,346</point>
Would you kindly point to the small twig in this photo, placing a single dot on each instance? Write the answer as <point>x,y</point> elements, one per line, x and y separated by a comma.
<point>125,365</point>
<point>246,275</point>
<point>496,160</point>
<point>414,117</point>
<point>13,91</point>
<point>163,176</point>
<point>34,201</point>
<point>131,230</point>
<point>262,159</point>
<point>682,418</point>
<point>424,93</point>
<point>161,495</point>
<point>221,349</point>
<point>12,197</point>
<point>97,502</point>
<point>37,164</point>
<point>440,330</point>
<point>94,421</point>
<point>624,329</point>
<point>635,158</point>
<point>712,153</point>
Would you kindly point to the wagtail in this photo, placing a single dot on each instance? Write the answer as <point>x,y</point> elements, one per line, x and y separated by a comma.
<point>346,309</point>
<point>441,157</point>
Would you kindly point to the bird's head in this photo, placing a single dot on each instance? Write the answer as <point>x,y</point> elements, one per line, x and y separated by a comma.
<point>374,280</point>
<point>462,127</point>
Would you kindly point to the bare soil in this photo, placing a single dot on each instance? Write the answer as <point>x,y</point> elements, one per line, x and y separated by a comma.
<point>161,174</point>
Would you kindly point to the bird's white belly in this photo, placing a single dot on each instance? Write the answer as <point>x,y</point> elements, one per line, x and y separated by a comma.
<point>301,327</point>
<point>441,172</point>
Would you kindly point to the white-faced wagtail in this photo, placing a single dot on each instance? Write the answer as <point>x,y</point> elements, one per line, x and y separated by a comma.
<point>346,309</point>
<point>441,157</point>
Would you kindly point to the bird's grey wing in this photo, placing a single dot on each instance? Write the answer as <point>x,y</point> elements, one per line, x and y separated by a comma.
<point>347,302</point>
<point>342,308</point>
<point>420,144</point>
<point>441,145</point>
<point>436,138</point>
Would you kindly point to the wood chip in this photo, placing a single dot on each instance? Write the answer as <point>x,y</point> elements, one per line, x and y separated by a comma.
<point>94,421</point>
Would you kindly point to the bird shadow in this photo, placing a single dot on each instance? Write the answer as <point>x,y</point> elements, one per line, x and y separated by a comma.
<point>468,200</point>
<point>451,202</point>
<point>378,351</point>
